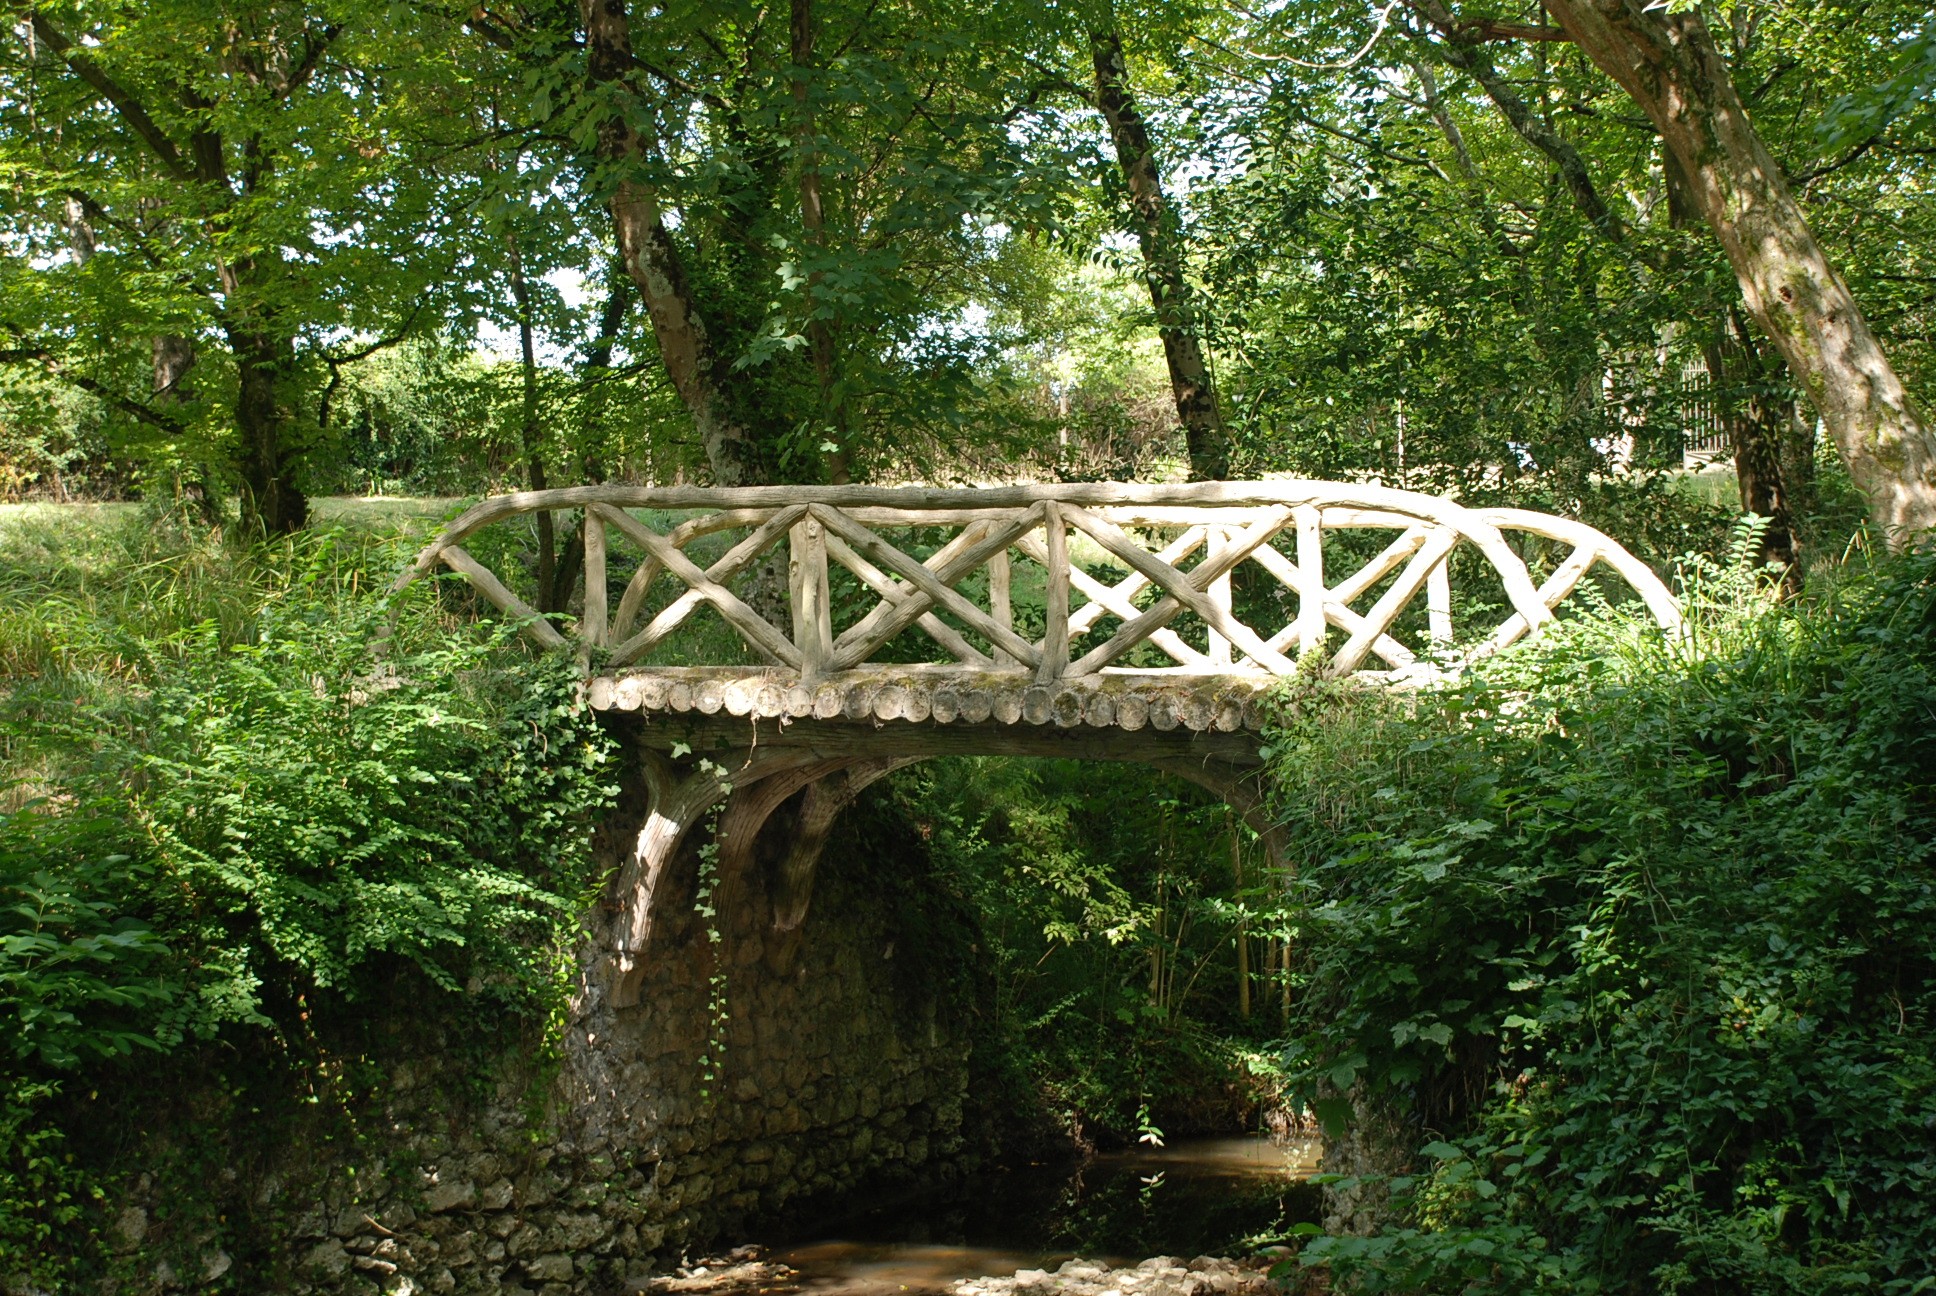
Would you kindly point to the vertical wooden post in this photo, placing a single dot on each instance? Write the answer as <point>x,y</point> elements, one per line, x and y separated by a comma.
<point>1055,640</point>
<point>594,627</point>
<point>999,604</point>
<point>1438,604</point>
<point>1219,594</point>
<point>1310,564</point>
<point>813,625</point>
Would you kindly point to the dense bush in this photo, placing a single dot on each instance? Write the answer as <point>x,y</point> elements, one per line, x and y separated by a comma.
<point>246,809</point>
<point>1637,941</point>
<point>1108,902</point>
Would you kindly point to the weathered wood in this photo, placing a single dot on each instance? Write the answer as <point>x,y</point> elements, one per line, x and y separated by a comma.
<point>707,587</point>
<point>1393,601</point>
<point>1000,605</point>
<point>1332,611</point>
<point>1180,590</point>
<point>1519,589</point>
<point>1652,590</point>
<point>592,625</point>
<point>1219,596</point>
<point>823,801</point>
<point>1348,590</point>
<point>888,618</point>
<point>500,597</point>
<point>1556,587</point>
<point>1309,584</point>
<point>676,798</point>
<point>1438,606</point>
<point>729,565</point>
<point>726,739</point>
<point>751,625</point>
<point>636,589</point>
<point>1135,583</point>
<point>1237,521</point>
<point>894,594</point>
<point>925,579</point>
<point>1114,599</point>
<point>813,632</point>
<point>1055,638</point>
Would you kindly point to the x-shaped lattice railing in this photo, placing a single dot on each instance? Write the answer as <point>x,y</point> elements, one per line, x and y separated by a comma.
<point>1179,545</point>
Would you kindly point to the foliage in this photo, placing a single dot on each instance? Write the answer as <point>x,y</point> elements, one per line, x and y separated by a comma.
<point>77,976</point>
<point>1104,894</point>
<point>1636,938</point>
<point>309,811</point>
<point>232,189</point>
<point>248,815</point>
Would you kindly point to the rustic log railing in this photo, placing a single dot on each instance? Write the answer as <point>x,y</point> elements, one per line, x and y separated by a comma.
<point>1179,544</point>
<point>1146,652</point>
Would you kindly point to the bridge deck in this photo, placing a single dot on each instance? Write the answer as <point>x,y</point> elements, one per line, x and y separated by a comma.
<point>945,695</point>
<point>1101,620</point>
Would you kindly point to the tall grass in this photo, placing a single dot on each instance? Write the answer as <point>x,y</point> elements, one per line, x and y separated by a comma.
<point>93,599</point>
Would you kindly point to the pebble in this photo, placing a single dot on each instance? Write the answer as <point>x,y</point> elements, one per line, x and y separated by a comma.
<point>1157,1276</point>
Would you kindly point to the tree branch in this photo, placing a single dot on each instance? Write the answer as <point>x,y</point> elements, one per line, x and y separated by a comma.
<point>35,354</point>
<point>1491,29</point>
<point>305,68</point>
<point>124,104</point>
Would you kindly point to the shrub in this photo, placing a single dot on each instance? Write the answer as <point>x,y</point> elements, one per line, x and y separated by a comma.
<point>1640,941</point>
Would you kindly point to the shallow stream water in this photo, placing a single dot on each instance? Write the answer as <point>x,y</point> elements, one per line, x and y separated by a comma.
<point>1192,1198</point>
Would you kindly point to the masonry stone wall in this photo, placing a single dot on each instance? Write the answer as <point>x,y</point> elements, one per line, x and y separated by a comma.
<point>845,1062</point>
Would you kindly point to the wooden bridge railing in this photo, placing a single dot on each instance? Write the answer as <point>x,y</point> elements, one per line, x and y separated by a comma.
<point>1178,544</point>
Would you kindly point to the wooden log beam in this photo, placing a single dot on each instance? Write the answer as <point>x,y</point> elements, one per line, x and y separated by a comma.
<point>1333,612</point>
<point>1287,493</point>
<point>1055,637</point>
<point>499,595</point>
<point>813,621</point>
<point>633,599</point>
<point>1114,599</point>
<point>895,594</point>
<point>1553,591</point>
<point>1000,604</point>
<point>753,627</point>
<point>705,586</point>
<point>1215,505</point>
<point>956,559</point>
<point>1393,601</point>
<point>1309,580</point>
<point>593,625</point>
<point>1181,590</point>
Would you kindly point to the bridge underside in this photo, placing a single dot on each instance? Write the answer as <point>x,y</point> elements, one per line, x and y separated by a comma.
<point>779,759</point>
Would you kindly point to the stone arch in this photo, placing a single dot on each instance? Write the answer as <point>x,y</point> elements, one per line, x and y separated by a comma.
<point>773,806</point>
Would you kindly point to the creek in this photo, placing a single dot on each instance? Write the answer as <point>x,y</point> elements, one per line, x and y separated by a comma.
<point>1195,1197</point>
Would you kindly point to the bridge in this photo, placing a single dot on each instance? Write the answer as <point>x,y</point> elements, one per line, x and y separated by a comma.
<point>775,649</point>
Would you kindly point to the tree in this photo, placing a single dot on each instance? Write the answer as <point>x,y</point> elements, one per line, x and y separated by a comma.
<point>808,207</point>
<point>1159,235</point>
<point>1670,65</point>
<point>247,173</point>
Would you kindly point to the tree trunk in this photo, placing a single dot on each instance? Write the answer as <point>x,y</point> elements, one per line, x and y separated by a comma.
<point>1466,53</point>
<point>172,358</point>
<point>653,262</point>
<point>1755,424</point>
<point>1671,67</point>
<point>530,434</point>
<point>1741,376</point>
<point>265,366</point>
<point>813,220</point>
<point>1160,235</point>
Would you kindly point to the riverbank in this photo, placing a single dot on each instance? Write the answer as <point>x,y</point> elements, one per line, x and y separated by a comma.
<point>751,1270</point>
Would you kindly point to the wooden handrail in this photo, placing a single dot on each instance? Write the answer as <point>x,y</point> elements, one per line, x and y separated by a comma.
<point>1151,531</point>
